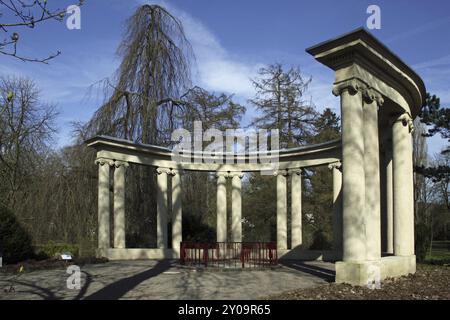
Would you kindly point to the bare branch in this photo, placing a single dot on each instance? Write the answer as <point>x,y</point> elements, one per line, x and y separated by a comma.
<point>27,14</point>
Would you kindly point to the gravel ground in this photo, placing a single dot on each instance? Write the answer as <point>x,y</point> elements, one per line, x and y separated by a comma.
<point>431,282</point>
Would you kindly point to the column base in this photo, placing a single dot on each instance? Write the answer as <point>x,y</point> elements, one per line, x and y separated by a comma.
<point>358,273</point>
<point>101,253</point>
<point>370,272</point>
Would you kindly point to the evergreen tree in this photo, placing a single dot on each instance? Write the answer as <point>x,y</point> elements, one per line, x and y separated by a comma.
<point>439,120</point>
<point>281,104</point>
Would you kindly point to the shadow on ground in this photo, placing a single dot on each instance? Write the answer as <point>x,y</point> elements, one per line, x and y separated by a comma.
<point>118,289</point>
<point>322,273</point>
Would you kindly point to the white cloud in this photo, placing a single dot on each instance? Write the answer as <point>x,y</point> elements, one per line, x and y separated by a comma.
<point>215,69</point>
<point>428,26</point>
<point>438,62</point>
<point>435,74</point>
<point>218,70</point>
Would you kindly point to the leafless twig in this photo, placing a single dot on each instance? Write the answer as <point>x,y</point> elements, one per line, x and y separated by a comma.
<point>26,14</point>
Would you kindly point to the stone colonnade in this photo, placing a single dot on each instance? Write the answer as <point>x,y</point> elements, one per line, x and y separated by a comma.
<point>116,169</point>
<point>373,204</point>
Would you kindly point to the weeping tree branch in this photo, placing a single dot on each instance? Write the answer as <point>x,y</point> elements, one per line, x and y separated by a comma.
<point>151,93</point>
<point>155,70</point>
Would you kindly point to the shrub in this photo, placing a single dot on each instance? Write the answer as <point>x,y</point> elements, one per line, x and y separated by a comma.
<point>15,242</point>
<point>53,249</point>
<point>194,229</point>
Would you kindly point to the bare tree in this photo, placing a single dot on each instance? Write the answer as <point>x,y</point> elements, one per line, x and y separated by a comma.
<point>17,14</point>
<point>26,127</point>
<point>422,203</point>
<point>443,160</point>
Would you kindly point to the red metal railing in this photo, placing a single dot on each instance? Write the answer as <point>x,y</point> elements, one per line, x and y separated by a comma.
<point>229,254</point>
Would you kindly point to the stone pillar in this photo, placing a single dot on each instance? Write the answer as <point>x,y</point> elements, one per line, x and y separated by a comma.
<point>222,206</point>
<point>119,204</point>
<point>236,207</point>
<point>372,212</point>
<point>162,208</point>
<point>337,208</point>
<point>103,202</point>
<point>403,186</point>
<point>177,214</point>
<point>354,242</point>
<point>389,204</point>
<point>296,208</point>
<point>281,210</point>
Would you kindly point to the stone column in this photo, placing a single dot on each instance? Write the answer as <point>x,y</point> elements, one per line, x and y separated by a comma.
<point>236,207</point>
<point>222,206</point>
<point>354,242</point>
<point>281,210</point>
<point>103,202</point>
<point>162,208</point>
<point>296,208</point>
<point>372,212</point>
<point>119,204</point>
<point>389,204</point>
<point>337,207</point>
<point>403,186</point>
<point>177,214</point>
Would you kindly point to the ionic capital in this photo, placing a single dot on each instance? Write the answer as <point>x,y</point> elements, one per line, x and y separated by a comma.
<point>174,172</point>
<point>297,171</point>
<point>370,95</point>
<point>236,174</point>
<point>161,170</point>
<point>118,164</point>
<point>406,119</point>
<point>335,165</point>
<point>224,174</point>
<point>103,161</point>
<point>282,172</point>
<point>352,85</point>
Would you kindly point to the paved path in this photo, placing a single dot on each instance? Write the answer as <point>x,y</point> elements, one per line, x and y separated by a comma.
<point>163,280</point>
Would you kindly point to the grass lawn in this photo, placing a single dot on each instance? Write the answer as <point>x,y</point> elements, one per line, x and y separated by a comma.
<point>440,252</point>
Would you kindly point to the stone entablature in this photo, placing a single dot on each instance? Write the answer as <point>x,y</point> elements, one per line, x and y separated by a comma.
<point>124,150</point>
<point>359,55</point>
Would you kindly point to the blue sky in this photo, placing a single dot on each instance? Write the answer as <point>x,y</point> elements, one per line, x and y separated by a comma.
<point>232,40</point>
